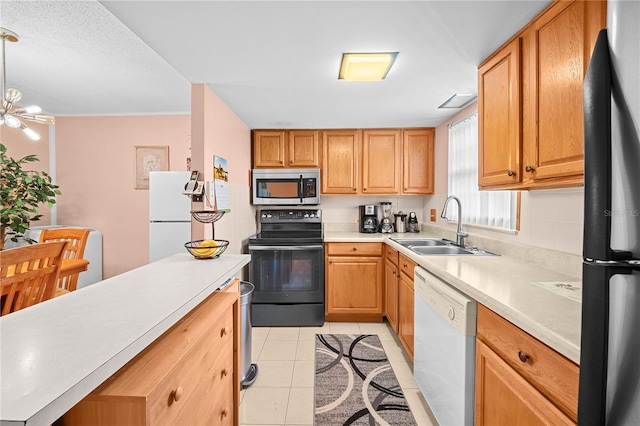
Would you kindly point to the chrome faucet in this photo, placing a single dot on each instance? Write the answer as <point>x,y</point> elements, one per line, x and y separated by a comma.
<point>460,236</point>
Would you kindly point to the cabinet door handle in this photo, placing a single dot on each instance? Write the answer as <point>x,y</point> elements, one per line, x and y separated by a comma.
<point>224,413</point>
<point>355,249</point>
<point>511,173</point>
<point>364,189</point>
<point>524,357</point>
<point>224,331</point>
<point>224,372</point>
<point>177,394</point>
<point>529,169</point>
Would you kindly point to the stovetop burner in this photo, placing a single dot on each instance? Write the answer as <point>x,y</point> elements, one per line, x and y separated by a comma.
<point>289,227</point>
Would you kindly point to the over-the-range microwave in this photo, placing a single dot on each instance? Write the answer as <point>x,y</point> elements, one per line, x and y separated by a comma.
<point>285,187</point>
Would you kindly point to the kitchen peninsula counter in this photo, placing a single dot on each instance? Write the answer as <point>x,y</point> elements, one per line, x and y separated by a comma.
<point>57,352</point>
<point>504,284</point>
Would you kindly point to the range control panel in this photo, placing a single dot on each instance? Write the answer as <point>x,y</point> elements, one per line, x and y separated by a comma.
<point>279,216</point>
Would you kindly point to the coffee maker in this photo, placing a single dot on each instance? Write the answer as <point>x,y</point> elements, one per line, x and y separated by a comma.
<point>368,219</point>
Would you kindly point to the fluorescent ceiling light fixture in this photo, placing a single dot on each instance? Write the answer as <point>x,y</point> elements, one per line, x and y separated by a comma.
<point>459,100</point>
<point>366,66</point>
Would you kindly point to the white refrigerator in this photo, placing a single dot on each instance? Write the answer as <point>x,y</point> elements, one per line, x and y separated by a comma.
<point>169,214</point>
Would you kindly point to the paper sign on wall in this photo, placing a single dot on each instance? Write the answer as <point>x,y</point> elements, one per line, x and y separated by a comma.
<point>219,190</point>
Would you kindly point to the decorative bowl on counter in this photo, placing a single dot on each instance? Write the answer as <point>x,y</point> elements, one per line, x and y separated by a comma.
<point>206,249</point>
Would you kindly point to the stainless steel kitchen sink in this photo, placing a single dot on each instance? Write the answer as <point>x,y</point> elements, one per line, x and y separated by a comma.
<point>421,242</point>
<point>439,247</point>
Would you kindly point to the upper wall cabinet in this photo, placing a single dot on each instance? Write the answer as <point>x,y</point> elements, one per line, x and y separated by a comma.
<point>285,148</point>
<point>381,161</point>
<point>340,161</point>
<point>417,161</point>
<point>377,161</point>
<point>530,100</point>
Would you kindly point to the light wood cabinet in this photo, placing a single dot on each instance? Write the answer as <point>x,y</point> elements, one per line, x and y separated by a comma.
<point>196,360</point>
<point>354,274</point>
<point>378,161</point>
<point>499,142</point>
<point>391,278</point>
<point>381,161</point>
<point>556,51</point>
<point>286,148</point>
<point>530,100</point>
<point>340,161</point>
<point>418,161</point>
<point>520,380</point>
<point>406,303</point>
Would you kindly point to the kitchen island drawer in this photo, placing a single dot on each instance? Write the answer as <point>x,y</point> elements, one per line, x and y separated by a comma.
<point>547,370</point>
<point>354,249</point>
<point>167,382</point>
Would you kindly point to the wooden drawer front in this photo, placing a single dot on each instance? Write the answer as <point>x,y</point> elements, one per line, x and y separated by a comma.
<point>551,373</point>
<point>355,249</point>
<point>392,254</point>
<point>406,265</point>
<point>194,376</point>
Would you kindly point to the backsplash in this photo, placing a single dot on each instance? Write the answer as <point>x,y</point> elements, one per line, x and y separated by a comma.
<point>344,209</point>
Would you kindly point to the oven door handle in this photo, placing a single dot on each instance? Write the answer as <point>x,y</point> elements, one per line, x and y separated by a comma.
<point>287,248</point>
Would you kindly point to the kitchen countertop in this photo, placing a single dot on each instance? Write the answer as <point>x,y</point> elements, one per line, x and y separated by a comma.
<point>504,285</point>
<point>57,352</point>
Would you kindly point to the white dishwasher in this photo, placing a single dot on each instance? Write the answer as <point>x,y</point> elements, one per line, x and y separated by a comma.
<point>444,348</point>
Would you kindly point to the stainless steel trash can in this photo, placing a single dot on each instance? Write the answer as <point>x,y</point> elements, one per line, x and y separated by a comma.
<point>249,370</point>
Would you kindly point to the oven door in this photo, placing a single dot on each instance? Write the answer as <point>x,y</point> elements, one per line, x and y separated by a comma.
<point>287,274</point>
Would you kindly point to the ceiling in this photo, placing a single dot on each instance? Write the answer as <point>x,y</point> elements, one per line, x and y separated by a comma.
<point>275,63</point>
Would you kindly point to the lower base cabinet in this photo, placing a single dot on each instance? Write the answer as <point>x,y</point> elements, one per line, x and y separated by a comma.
<point>354,273</point>
<point>520,380</point>
<point>189,375</point>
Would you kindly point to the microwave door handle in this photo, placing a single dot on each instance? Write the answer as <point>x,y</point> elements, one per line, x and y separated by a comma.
<point>301,189</point>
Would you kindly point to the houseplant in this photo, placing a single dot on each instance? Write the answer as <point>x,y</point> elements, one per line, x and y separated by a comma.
<point>21,193</point>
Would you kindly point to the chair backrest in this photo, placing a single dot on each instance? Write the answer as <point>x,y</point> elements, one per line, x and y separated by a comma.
<point>77,239</point>
<point>28,274</point>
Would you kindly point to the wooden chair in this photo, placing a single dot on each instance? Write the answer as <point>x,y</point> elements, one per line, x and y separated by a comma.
<point>72,260</point>
<point>28,274</point>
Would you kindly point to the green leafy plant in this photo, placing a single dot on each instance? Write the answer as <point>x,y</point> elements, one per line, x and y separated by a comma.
<point>22,192</point>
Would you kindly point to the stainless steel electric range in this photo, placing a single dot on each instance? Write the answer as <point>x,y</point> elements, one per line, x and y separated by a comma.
<point>287,269</point>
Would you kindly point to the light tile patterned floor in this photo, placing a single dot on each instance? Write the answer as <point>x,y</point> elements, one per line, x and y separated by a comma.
<point>283,392</point>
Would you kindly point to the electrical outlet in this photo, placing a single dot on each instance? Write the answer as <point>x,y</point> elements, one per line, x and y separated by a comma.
<point>432,215</point>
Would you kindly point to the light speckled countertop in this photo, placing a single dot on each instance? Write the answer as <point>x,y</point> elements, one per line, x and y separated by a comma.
<point>56,352</point>
<point>504,285</point>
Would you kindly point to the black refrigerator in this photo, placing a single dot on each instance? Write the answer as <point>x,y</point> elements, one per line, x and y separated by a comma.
<point>609,392</point>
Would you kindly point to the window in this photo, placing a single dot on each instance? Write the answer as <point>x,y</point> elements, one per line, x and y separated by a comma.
<point>496,209</point>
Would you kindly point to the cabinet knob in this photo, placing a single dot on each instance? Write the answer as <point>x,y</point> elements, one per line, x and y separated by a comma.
<point>177,394</point>
<point>405,266</point>
<point>355,249</point>
<point>511,173</point>
<point>529,169</point>
<point>353,189</point>
<point>224,413</point>
<point>224,331</point>
<point>394,272</point>
<point>224,372</point>
<point>524,357</point>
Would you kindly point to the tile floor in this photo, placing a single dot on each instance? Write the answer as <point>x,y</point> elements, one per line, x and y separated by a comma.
<point>283,391</point>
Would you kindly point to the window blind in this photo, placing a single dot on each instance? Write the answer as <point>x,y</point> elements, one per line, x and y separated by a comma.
<point>490,208</point>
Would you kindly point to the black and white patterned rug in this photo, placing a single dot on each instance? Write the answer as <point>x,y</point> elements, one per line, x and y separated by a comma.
<point>355,385</point>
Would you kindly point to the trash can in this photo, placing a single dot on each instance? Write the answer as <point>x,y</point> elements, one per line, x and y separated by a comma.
<point>249,370</point>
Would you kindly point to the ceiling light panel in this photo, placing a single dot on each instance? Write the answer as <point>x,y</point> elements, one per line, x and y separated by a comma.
<point>459,100</point>
<point>366,66</point>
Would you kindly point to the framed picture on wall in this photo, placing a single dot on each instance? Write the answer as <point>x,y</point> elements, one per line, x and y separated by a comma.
<point>149,159</point>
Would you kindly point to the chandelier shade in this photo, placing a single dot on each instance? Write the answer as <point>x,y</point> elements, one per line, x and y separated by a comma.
<point>11,114</point>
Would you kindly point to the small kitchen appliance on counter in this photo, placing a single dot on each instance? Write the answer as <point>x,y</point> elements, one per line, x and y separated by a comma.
<point>412,223</point>
<point>386,225</point>
<point>400,222</point>
<point>369,219</point>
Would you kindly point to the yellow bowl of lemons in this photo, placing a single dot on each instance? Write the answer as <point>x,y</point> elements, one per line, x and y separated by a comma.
<point>206,249</point>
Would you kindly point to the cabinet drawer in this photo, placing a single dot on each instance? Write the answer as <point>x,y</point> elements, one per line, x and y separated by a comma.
<point>205,366</point>
<point>550,372</point>
<point>406,265</point>
<point>392,254</point>
<point>355,249</point>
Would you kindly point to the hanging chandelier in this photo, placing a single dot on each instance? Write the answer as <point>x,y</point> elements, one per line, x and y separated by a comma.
<point>11,114</point>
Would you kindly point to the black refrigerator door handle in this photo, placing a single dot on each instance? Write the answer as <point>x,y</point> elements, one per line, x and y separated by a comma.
<point>597,152</point>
